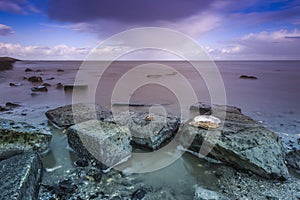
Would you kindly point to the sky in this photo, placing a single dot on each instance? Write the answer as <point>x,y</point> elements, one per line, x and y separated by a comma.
<point>226,29</point>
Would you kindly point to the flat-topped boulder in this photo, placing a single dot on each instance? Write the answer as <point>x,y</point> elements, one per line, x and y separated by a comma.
<point>152,131</point>
<point>105,142</point>
<point>18,137</point>
<point>20,177</point>
<point>241,142</point>
<point>66,116</point>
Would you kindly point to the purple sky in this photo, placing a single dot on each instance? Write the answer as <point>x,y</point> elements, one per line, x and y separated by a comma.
<point>227,29</point>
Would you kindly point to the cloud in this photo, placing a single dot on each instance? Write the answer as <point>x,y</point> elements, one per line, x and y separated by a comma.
<point>133,11</point>
<point>280,44</point>
<point>18,7</point>
<point>5,30</point>
<point>60,52</point>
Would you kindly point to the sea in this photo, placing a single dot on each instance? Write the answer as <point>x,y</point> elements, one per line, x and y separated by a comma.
<point>271,96</point>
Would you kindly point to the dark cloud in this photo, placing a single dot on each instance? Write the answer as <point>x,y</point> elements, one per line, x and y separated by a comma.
<point>129,11</point>
<point>18,7</point>
<point>5,30</point>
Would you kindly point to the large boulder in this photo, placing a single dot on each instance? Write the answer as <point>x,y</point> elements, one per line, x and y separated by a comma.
<point>152,131</point>
<point>66,116</point>
<point>241,142</point>
<point>293,160</point>
<point>18,137</point>
<point>106,142</point>
<point>20,177</point>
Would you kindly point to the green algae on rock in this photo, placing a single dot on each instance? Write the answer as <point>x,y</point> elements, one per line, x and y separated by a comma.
<point>18,137</point>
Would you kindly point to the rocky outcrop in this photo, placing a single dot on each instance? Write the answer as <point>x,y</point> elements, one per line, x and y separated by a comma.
<point>66,116</point>
<point>20,177</point>
<point>103,141</point>
<point>241,142</point>
<point>204,194</point>
<point>17,137</point>
<point>6,63</point>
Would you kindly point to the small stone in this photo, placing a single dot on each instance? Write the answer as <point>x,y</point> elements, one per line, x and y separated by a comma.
<point>12,105</point>
<point>81,163</point>
<point>60,70</point>
<point>15,84</point>
<point>28,70</point>
<point>46,84</point>
<point>2,109</point>
<point>138,194</point>
<point>248,77</point>
<point>59,86</point>
<point>35,79</point>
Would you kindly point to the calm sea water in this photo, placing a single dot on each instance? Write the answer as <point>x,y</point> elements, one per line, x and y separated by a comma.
<point>272,99</point>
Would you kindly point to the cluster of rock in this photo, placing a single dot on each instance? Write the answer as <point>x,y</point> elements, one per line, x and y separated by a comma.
<point>96,134</point>
<point>240,142</point>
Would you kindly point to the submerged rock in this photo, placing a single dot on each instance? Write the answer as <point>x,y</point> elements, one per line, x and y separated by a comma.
<point>40,88</point>
<point>28,70</point>
<point>20,177</point>
<point>17,137</point>
<point>204,194</point>
<point>106,142</point>
<point>72,87</point>
<point>12,105</point>
<point>35,79</point>
<point>152,131</point>
<point>241,142</point>
<point>15,84</point>
<point>66,116</point>
<point>248,77</point>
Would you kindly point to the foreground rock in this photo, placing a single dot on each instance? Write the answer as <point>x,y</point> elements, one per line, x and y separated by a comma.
<point>152,131</point>
<point>242,143</point>
<point>80,184</point>
<point>66,116</point>
<point>16,138</point>
<point>20,177</point>
<point>106,142</point>
<point>204,194</point>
